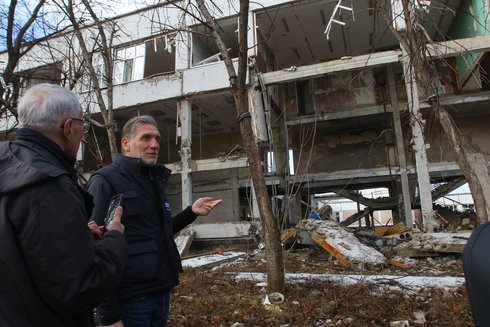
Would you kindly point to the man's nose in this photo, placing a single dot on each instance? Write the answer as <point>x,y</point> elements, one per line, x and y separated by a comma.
<point>154,144</point>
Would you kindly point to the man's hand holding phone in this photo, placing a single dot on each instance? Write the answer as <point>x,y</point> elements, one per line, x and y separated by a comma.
<point>112,220</point>
<point>116,221</point>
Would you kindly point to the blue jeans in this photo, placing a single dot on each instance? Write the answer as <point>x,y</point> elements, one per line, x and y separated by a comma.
<point>147,311</point>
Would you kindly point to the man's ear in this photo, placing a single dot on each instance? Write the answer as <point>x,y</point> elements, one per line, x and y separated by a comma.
<point>67,129</point>
<point>125,144</point>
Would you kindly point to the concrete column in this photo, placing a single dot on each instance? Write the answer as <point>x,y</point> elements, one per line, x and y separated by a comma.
<point>256,107</point>
<point>235,197</point>
<point>293,208</point>
<point>280,153</point>
<point>404,199</point>
<point>185,121</point>
<point>252,35</point>
<point>418,143</point>
<point>255,206</point>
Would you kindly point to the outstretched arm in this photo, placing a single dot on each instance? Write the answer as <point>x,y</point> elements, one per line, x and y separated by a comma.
<point>203,206</point>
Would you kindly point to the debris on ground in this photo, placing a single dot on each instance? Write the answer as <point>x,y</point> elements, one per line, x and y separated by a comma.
<point>384,235</point>
<point>341,244</point>
<point>335,276</point>
<point>433,244</point>
<point>451,220</point>
<point>321,293</point>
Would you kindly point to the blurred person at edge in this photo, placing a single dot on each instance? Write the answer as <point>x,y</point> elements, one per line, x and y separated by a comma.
<point>153,267</point>
<point>51,271</point>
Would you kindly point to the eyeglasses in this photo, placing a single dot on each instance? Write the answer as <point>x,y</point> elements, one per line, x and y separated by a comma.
<point>85,124</point>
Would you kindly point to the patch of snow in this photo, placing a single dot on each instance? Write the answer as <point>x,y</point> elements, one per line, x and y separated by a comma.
<point>411,282</point>
<point>210,259</point>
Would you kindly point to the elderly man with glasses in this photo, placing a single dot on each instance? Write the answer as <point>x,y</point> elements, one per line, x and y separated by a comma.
<point>85,124</point>
<point>51,271</point>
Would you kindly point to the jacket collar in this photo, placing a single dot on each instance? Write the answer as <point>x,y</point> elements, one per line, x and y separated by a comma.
<point>44,154</point>
<point>135,166</point>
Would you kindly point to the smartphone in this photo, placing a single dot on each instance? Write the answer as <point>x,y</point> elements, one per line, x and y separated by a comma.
<point>116,201</point>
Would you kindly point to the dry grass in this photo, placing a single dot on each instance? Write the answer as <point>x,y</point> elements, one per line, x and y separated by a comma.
<point>213,298</point>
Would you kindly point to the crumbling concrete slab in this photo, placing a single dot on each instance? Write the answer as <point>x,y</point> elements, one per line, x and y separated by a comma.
<point>344,244</point>
<point>431,244</point>
<point>232,229</point>
<point>184,240</point>
<point>210,260</point>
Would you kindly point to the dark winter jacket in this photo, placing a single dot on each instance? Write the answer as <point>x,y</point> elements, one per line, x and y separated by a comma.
<point>153,260</point>
<point>51,272</point>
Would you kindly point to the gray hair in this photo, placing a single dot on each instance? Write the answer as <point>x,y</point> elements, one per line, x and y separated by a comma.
<point>46,105</point>
<point>129,128</point>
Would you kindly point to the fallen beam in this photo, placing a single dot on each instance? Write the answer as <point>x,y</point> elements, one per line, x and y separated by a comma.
<point>330,249</point>
<point>340,243</point>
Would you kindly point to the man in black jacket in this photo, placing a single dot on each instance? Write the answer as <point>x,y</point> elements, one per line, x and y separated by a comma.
<point>51,271</point>
<point>153,260</point>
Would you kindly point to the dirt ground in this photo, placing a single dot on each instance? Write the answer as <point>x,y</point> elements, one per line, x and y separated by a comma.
<point>212,297</point>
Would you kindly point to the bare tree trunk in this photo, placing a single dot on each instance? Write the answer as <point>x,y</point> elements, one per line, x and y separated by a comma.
<point>458,144</point>
<point>425,72</point>
<point>270,226</point>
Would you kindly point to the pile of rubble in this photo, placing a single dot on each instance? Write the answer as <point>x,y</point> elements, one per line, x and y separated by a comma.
<point>341,244</point>
<point>374,246</point>
<point>433,244</point>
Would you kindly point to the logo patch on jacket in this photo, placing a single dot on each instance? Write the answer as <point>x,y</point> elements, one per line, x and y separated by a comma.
<point>166,207</point>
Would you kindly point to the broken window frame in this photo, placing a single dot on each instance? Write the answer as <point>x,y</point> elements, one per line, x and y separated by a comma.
<point>270,163</point>
<point>129,63</point>
<point>209,52</point>
<point>42,74</point>
<point>167,42</point>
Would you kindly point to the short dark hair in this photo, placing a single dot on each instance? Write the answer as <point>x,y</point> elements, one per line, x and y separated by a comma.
<point>129,128</point>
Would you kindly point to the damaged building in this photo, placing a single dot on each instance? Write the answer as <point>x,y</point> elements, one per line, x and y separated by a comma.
<point>329,93</point>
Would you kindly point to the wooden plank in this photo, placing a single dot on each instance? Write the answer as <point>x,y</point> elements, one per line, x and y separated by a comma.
<point>397,264</point>
<point>288,234</point>
<point>395,229</point>
<point>330,249</point>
